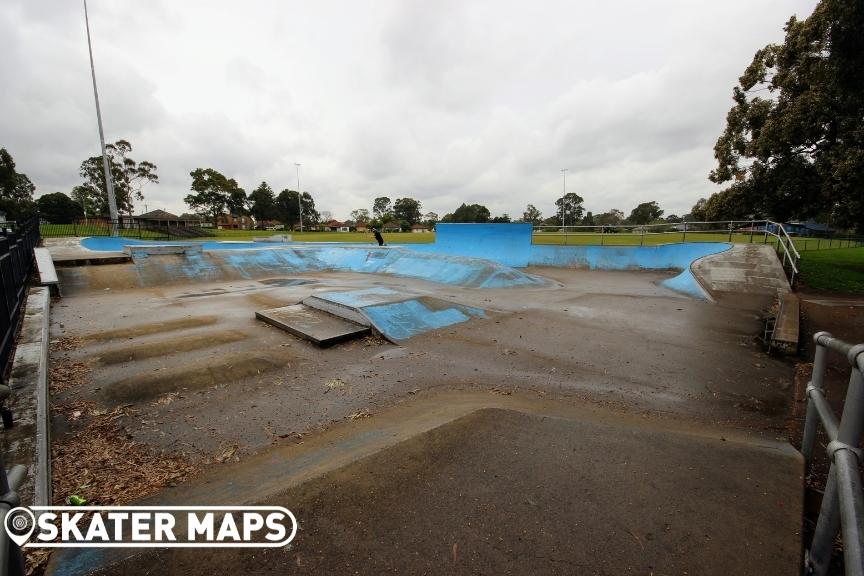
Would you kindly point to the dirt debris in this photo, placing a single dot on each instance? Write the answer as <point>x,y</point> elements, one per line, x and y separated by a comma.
<point>67,374</point>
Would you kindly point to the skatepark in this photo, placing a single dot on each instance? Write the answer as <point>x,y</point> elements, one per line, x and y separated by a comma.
<point>482,404</point>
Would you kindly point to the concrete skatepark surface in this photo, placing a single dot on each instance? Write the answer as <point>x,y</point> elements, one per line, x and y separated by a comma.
<point>480,483</point>
<point>621,359</point>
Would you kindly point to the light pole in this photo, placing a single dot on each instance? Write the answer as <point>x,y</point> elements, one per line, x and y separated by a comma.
<point>564,174</point>
<point>109,184</point>
<point>299,196</point>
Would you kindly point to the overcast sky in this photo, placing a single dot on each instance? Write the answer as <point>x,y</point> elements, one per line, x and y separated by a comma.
<point>444,101</point>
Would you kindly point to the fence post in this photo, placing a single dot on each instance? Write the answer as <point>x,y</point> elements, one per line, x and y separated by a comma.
<point>730,231</point>
<point>811,421</point>
<point>642,237</point>
<point>752,224</point>
<point>684,238</point>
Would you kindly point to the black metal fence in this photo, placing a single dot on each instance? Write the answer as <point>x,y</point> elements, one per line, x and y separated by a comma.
<point>152,230</point>
<point>16,264</point>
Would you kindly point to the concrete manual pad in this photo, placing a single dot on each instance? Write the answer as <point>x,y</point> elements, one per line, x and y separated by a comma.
<point>314,325</point>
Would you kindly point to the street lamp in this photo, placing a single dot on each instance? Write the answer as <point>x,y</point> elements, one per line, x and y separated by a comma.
<point>299,196</point>
<point>109,184</point>
<point>564,174</point>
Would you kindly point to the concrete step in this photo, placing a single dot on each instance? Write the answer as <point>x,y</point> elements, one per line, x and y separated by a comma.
<point>743,269</point>
<point>319,327</point>
<point>788,319</point>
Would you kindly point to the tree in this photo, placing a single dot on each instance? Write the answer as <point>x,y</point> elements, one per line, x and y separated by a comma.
<point>572,208</point>
<point>262,203</point>
<point>16,190</point>
<point>13,185</point>
<point>381,208</point>
<point>645,213</point>
<point>407,209</point>
<point>734,203</point>
<point>503,219</point>
<point>212,192</point>
<point>128,176</point>
<point>588,220</point>
<point>430,218</point>
<point>58,208</point>
<point>473,213</point>
<point>532,215</point>
<point>287,208</point>
<point>794,138</point>
<point>238,203</point>
<point>674,219</point>
<point>360,216</point>
<point>611,218</point>
<point>697,213</point>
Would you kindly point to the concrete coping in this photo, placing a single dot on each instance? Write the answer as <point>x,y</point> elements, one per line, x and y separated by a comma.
<point>31,434</point>
<point>155,249</point>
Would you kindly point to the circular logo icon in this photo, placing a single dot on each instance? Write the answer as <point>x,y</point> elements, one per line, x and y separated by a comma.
<point>20,523</point>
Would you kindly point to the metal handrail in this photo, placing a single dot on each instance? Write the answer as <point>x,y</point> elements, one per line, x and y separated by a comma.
<point>843,501</point>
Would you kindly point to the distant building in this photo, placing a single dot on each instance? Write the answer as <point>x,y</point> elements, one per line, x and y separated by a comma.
<point>161,218</point>
<point>391,227</point>
<point>233,222</point>
<point>419,228</point>
<point>361,227</point>
<point>336,226</point>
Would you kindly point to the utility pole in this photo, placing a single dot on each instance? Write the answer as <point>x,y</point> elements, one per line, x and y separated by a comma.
<point>109,184</point>
<point>299,196</point>
<point>564,174</point>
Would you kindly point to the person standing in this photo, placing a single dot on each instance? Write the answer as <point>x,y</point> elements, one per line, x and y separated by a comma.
<point>378,237</point>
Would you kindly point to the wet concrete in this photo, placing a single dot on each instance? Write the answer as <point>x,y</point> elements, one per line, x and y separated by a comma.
<point>612,337</point>
<point>516,483</point>
<point>618,342</point>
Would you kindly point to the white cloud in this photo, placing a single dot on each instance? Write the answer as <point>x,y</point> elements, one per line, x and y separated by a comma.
<point>450,101</point>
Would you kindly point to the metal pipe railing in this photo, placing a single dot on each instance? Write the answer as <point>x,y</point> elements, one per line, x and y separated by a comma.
<point>842,509</point>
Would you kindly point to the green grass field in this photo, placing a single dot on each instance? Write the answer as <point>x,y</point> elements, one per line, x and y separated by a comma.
<point>576,239</point>
<point>629,239</point>
<point>839,270</point>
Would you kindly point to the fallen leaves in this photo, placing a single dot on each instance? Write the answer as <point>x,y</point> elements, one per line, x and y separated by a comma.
<point>66,374</point>
<point>102,464</point>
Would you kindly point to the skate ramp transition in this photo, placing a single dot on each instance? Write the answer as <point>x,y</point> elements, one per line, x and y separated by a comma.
<point>471,255</point>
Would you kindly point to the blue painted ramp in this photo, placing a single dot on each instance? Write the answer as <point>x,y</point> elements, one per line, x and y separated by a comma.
<point>508,244</point>
<point>395,314</point>
<point>474,255</point>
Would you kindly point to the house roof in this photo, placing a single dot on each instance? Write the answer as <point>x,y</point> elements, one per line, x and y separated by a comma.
<point>418,226</point>
<point>335,224</point>
<point>158,215</point>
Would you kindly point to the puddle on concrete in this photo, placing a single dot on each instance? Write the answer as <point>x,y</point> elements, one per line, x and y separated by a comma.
<point>286,282</point>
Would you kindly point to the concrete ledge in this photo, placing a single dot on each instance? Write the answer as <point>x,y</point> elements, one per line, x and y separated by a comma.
<point>29,441</point>
<point>156,249</point>
<point>274,238</point>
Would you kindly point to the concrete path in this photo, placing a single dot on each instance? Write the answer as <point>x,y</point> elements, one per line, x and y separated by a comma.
<point>69,252</point>
<point>483,483</point>
<point>743,269</point>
